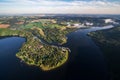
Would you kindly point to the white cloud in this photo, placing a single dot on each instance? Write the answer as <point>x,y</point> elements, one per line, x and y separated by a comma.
<point>56,6</point>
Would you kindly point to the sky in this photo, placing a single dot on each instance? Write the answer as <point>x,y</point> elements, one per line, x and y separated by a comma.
<point>60,6</point>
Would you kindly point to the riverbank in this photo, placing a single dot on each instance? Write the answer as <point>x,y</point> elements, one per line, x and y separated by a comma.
<point>109,43</point>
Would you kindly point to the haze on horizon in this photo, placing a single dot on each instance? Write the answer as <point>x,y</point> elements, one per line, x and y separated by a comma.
<point>60,6</point>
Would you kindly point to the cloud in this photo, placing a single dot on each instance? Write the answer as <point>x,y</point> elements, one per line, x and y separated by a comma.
<point>60,6</point>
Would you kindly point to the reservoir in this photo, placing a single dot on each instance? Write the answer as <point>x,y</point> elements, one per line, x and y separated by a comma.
<point>86,61</point>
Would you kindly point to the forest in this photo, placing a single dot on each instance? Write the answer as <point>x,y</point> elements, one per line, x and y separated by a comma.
<point>109,43</point>
<point>34,51</point>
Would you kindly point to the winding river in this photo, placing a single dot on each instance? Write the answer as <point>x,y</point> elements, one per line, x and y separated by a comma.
<point>86,61</point>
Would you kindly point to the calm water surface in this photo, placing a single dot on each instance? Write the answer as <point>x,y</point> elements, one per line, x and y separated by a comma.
<point>86,61</point>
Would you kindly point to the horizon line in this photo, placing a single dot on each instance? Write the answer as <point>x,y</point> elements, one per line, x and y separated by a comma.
<point>56,14</point>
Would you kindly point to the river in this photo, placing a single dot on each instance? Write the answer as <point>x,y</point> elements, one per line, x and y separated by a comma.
<point>86,61</point>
